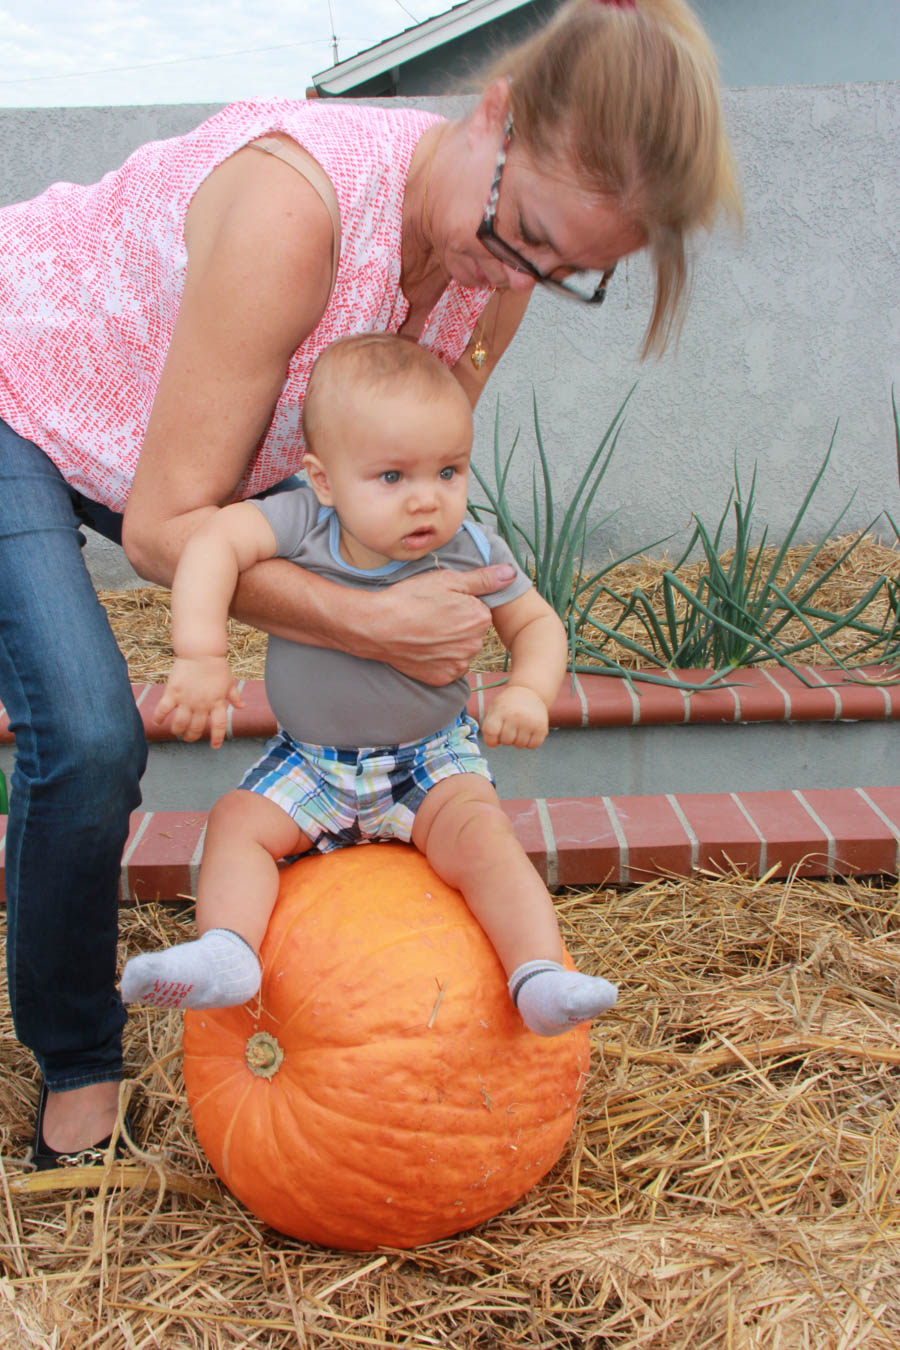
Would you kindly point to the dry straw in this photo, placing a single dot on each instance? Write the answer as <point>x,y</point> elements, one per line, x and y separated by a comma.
<point>141,620</point>
<point>733,1180</point>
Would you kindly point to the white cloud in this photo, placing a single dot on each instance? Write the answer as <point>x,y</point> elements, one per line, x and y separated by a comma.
<point>162,51</point>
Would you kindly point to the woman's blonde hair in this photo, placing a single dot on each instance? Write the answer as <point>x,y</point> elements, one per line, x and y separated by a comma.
<point>630,95</point>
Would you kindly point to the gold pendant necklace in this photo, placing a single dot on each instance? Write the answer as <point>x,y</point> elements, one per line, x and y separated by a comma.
<point>479,353</point>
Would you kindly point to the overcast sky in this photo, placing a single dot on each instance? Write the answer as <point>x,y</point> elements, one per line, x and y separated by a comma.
<point>59,53</point>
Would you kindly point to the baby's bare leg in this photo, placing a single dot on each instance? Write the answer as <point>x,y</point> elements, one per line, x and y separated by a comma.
<point>466,836</point>
<point>246,836</point>
<point>236,893</point>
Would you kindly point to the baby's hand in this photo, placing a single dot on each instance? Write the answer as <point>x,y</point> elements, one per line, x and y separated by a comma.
<point>198,692</point>
<point>517,716</point>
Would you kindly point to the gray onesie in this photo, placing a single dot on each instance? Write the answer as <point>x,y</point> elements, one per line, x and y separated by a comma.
<point>326,697</point>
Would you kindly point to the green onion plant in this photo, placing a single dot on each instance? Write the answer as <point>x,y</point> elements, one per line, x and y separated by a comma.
<point>550,547</point>
<point>553,546</point>
<point>733,616</point>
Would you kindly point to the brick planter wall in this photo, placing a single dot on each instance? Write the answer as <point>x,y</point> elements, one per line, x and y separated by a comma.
<point>625,839</point>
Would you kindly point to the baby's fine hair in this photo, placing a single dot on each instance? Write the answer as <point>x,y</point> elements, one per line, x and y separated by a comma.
<point>380,362</point>
<point>629,93</point>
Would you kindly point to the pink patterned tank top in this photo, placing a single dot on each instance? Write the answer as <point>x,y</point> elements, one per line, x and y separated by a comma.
<point>91,279</point>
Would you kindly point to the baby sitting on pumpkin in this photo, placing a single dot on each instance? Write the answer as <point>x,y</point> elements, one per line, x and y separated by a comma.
<point>365,753</point>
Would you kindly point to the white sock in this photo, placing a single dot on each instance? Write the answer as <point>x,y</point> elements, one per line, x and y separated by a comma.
<point>219,970</point>
<point>551,999</point>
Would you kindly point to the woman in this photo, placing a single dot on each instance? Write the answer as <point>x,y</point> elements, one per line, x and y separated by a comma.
<point>158,331</point>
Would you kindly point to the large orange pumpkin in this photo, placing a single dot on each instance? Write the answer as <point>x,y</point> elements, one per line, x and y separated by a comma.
<point>382,1090</point>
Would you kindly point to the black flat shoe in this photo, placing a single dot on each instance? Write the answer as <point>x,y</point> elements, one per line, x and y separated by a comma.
<point>44,1157</point>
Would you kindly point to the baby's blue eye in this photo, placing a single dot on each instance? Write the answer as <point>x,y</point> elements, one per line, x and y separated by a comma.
<point>448,473</point>
<point>391,476</point>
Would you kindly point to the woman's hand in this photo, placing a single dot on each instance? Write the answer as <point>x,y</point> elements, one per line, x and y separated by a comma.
<point>198,694</point>
<point>430,626</point>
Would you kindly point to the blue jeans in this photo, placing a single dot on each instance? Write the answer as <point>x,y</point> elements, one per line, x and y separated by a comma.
<point>80,754</point>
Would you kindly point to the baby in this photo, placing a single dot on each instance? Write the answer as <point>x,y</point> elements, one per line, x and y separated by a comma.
<point>364,753</point>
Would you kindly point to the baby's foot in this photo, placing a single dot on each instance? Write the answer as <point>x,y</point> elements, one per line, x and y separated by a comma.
<point>219,970</point>
<point>551,999</point>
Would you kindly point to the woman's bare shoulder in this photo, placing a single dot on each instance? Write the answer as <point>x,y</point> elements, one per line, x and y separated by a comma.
<point>254,201</point>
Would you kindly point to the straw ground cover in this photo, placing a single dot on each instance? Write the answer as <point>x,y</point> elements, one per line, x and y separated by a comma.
<point>733,1179</point>
<point>141,619</point>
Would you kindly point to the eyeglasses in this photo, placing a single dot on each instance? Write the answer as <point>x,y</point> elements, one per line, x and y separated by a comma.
<point>579,286</point>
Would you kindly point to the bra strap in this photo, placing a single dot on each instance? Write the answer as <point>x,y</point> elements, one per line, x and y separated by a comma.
<point>318,179</point>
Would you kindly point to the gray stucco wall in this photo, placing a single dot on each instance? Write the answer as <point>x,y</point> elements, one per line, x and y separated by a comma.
<point>793,325</point>
<point>803,41</point>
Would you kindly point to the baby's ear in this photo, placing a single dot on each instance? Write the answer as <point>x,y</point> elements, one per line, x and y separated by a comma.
<point>318,478</point>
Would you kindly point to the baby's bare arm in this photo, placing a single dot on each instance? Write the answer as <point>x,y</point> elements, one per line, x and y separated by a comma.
<point>223,547</point>
<point>536,640</point>
<point>201,687</point>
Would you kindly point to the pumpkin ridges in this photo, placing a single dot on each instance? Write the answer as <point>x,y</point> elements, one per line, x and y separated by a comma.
<point>470,1100</point>
<point>421,1209</point>
<point>354,971</point>
<point>219,1082</point>
<point>313,1061</point>
<point>230,1129</point>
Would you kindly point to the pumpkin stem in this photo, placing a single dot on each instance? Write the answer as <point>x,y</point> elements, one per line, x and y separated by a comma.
<point>263,1055</point>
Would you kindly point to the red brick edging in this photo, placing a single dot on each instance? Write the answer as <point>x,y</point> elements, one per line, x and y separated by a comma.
<point>764,695</point>
<point>628,839</point>
<point>620,840</point>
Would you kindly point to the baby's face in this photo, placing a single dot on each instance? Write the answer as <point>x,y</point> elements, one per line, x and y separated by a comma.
<point>397,474</point>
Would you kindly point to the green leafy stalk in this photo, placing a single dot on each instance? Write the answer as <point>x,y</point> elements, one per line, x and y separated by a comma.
<point>553,548</point>
<point>735,614</point>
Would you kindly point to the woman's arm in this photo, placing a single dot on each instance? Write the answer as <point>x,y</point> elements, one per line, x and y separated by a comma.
<point>259,267</point>
<point>428,627</point>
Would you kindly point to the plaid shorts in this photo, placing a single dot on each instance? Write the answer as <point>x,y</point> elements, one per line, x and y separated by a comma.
<point>343,797</point>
